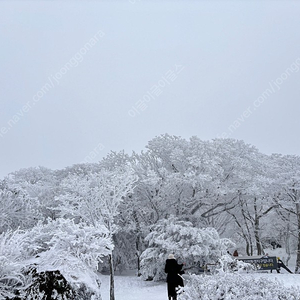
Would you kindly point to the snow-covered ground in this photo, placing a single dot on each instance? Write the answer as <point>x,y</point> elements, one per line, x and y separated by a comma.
<point>130,287</point>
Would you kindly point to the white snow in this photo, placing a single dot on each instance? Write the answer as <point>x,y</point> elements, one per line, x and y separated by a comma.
<point>287,280</point>
<point>130,287</point>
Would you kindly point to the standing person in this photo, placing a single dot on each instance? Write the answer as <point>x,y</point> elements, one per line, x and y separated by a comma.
<point>174,280</point>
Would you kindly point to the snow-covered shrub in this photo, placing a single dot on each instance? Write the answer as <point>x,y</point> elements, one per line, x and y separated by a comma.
<point>12,255</point>
<point>234,286</point>
<point>49,285</point>
<point>229,264</point>
<point>53,285</point>
<point>72,249</point>
<point>57,248</point>
<point>189,244</point>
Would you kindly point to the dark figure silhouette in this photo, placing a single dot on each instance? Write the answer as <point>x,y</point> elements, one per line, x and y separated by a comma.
<point>174,280</point>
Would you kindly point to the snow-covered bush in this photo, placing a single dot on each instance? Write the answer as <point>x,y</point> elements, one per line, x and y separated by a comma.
<point>190,244</point>
<point>72,249</point>
<point>49,285</point>
<point>11,263</point>
<point>234,286</point>
<point>53,285</point>
<point>229,264</point>
<point>61,250</point>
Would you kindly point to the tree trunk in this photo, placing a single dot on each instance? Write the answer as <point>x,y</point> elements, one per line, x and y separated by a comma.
<point>138,254</point>
<point>112,278</point>
<point>250,243</point>
<point>257,239</point>
<point>256,230</point>
<point>297,269</point>
<point>287,241</point>
<point>138,242</point>
<point>247,248</point>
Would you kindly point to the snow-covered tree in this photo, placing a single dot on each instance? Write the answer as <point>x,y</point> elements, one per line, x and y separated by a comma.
<point>17,209</point>
<point>41,185</point>
<point>190,244</point>
<point>95,198</point>
<point>288,196</point>
<point>223,183</point>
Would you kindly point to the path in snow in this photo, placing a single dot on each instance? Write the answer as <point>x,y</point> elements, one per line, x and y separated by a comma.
<point>130,287</point>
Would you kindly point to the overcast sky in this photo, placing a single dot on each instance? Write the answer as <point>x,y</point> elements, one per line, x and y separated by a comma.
<point>83,77</point>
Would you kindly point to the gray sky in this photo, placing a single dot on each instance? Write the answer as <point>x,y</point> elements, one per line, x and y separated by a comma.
<point>80,78</point>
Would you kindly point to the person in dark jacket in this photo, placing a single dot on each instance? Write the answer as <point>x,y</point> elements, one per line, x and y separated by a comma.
<point>174,280</point>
